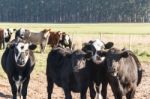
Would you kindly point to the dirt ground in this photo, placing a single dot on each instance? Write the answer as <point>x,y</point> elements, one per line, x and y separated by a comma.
<point>37,87</point>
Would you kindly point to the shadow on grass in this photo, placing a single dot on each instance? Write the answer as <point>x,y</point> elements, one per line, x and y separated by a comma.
<point>2,95</point>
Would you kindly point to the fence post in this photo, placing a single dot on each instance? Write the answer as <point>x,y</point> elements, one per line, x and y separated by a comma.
<point>130,41</point>
<point>113,37</point>
<point>100,35</point>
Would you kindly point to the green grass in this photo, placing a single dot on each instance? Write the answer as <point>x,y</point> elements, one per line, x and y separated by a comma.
<point>85,32</point>
<point>85,28</point>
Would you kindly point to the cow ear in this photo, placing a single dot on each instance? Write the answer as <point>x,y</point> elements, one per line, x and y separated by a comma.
<point>124,54</point>
<point>14,29</point>
<point>32,46</point>
<point>109,45</point>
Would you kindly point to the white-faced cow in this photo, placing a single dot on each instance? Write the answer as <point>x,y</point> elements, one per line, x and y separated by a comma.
<point>68,70</point>
<point>65,40</point>
<point>18,62</point>
<point>124,72</point>
<point>97,65</point>
<point>5,36</point>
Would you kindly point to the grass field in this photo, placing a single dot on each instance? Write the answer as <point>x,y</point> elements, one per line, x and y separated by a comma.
<point>142,28</point>
<point>136,37</point>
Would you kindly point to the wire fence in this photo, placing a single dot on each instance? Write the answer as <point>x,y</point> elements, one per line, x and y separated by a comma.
<point>136,42</point>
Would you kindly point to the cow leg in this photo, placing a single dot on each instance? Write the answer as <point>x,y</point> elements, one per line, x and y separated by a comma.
<point>118,95</point>
<point>104,90</point>
<point>92,91</point>
<point>98,90</point>
<point>24,87</point>
<point>65,86</point>
<point>84,87</point>
<point>13,87</point>
<point>0,45</point>
<point>49,87</point>
<point>42,48</point>
<point>67,93</point>
<point>130,95</point>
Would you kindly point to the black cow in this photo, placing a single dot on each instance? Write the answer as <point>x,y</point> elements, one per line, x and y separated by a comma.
<point>68,70</point>
<point>98,68</point>
<point>124,72</point>
<point>18,62</point>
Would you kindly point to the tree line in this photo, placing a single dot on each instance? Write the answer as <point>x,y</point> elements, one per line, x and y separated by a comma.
<point>85,11</point>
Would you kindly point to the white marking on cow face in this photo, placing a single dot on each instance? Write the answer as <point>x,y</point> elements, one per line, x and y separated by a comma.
<point>5,33</point>
<point>21,53</point>
<point>22,32</point>
<point>98,45</point>
<point>10,30</point>
<point>47,34</point>
<point>67,39</point>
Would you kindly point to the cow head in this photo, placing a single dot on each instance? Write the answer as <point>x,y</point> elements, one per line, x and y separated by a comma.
<point>10,31</point>
<point>79,58</point>
<point>65,38</point>
<point>95,47</point>
<point>7,33</point>
<point>20,33</point>
<point>46,32</point>
<point>21,51</point>
<point>113,57</point>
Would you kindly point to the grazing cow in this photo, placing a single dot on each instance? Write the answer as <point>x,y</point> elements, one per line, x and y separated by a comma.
<point>68,70</point>
<point>36,38</point>
<point>5,36</point>
<point>18,62</point>
<point>98,70</point>
<point>124,72</point>
<point>58,38</point>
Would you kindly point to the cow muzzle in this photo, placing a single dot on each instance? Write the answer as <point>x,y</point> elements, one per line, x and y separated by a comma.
<point>113,71</point>
<point>21,59</point>
<point>97,59</point>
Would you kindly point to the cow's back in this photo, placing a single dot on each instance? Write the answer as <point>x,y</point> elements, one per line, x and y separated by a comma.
<point>35,38</point>
<point>139,67</point>
<point>127,77</point>
<point>129,68</point>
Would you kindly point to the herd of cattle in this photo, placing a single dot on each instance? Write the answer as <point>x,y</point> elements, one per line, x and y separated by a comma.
<point>94,66</point>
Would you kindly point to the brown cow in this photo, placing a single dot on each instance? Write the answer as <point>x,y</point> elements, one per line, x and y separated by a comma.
<point>124,72</point>
<point>5,36</point>
<point>59,38</point>
<point>54,38</point>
